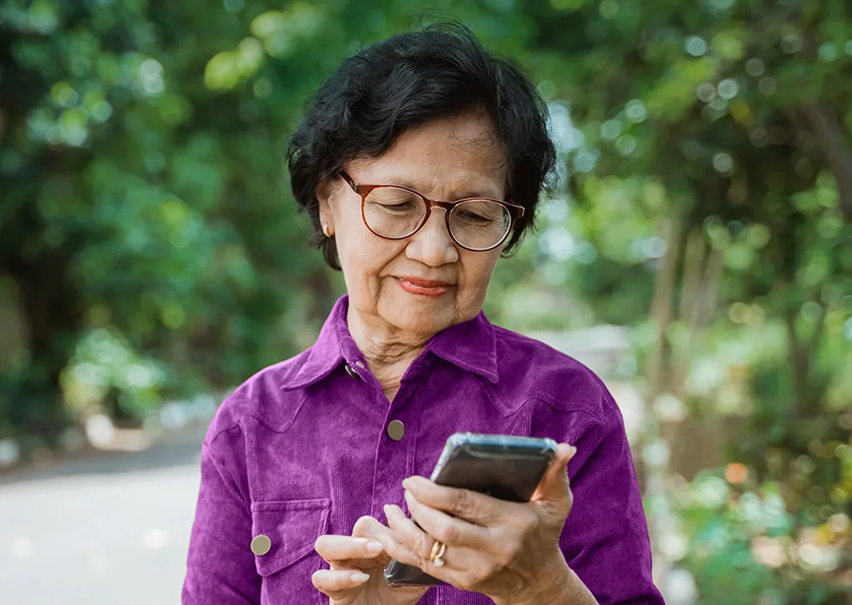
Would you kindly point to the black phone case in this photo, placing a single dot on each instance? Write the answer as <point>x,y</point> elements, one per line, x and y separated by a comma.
<point>503,466</point>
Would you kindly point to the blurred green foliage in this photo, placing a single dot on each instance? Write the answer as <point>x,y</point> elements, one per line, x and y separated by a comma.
<point>704,197</point>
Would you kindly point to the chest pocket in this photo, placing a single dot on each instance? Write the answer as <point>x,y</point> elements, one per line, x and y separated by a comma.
<point>283,536</point>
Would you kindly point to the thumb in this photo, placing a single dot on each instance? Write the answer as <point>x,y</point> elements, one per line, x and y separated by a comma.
<point>554,486</point>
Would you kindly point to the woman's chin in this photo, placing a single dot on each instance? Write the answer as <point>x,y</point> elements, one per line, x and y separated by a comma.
<point>423,320</point>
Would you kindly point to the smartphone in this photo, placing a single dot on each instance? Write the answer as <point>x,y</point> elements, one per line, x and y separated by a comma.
<point>502,466</point>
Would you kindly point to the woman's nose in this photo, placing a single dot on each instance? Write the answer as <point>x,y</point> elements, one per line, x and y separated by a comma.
<point>432,245</point>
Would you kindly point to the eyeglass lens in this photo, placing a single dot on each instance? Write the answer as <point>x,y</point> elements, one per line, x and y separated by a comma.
<point>397,213</point>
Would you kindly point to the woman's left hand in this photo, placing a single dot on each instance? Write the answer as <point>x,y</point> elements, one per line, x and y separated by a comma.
<point>507,551</point>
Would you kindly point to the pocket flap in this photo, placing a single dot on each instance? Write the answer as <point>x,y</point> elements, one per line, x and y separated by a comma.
<point>292,527</point>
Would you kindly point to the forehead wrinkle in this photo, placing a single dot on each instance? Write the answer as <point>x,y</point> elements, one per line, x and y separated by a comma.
<point>485,142</point>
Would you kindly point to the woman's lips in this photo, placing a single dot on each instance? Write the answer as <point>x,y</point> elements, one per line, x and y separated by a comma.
<point>423,287</point>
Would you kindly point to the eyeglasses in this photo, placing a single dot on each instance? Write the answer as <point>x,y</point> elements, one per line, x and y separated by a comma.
<point>395,212</point>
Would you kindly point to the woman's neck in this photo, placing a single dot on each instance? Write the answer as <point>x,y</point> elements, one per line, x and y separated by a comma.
<point>387,350</point>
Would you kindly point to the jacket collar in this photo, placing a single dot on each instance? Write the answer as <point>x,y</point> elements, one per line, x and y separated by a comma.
<point>470,345</point>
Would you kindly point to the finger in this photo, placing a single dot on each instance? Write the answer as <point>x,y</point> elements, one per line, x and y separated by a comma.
<point>367,527</point>
<point>555,486</point>
<point>460,556</point>
<point>462,503</point>
<point>404,553</point>
<point>441,526</point>
<point>336,584</point>
<point>408,536</point>
<point>341,548</point>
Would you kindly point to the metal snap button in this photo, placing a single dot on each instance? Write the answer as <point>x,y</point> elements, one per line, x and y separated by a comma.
<point>351,372</point>
<point>396,430</point>
<point>260,545</point>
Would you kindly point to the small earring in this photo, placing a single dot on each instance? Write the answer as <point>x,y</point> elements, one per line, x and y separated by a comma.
<point>325,230</point>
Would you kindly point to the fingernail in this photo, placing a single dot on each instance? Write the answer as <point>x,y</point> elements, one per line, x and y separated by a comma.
<point>413,481</point>
<point>409,498</point>
<point>374,546</point>
<point>359,577</point>
<point>572,450</point>
<point>386,508</point>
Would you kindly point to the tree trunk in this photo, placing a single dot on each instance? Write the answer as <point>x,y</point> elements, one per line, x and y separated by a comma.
<point>654,477</point>
<point>53,317</point>
<point>830,134</point>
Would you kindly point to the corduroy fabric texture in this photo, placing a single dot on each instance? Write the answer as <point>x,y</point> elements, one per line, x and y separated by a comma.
<point>301,449</point>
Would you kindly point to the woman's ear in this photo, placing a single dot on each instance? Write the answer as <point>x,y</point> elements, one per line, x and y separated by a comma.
<point>325,194</point>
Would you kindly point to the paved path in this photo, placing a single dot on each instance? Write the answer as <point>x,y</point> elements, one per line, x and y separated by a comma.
<point>111,529</point>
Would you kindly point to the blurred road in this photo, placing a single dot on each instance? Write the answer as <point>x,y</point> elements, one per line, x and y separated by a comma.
<point>112,528</point>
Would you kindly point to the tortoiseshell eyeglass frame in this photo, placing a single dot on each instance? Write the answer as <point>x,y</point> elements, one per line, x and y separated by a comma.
<point>363,190</point>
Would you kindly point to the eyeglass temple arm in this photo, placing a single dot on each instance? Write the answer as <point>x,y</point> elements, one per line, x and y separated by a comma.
<point>348,179</point>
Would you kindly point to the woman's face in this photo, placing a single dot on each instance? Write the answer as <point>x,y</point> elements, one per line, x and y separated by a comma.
<point>423,283</point>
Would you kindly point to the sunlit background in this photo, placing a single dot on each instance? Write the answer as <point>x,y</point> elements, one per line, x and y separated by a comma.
<point>696,251</point>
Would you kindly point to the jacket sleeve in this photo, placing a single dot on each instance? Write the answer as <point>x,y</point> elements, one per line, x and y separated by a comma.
<point>605,539</point>
<point>220,565</point>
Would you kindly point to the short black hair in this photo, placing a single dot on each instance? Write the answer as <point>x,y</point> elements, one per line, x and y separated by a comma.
<point>404,82</point>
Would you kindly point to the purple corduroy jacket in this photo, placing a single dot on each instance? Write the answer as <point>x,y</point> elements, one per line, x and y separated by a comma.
<point>302,449</point>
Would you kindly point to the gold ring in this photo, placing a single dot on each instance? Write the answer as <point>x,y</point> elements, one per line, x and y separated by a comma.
<point>438,550</point>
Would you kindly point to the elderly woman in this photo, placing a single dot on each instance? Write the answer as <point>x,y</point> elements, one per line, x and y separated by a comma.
<point>420,162</point>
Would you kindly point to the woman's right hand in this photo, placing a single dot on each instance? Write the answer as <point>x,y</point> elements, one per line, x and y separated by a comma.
<point>357,561</point>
